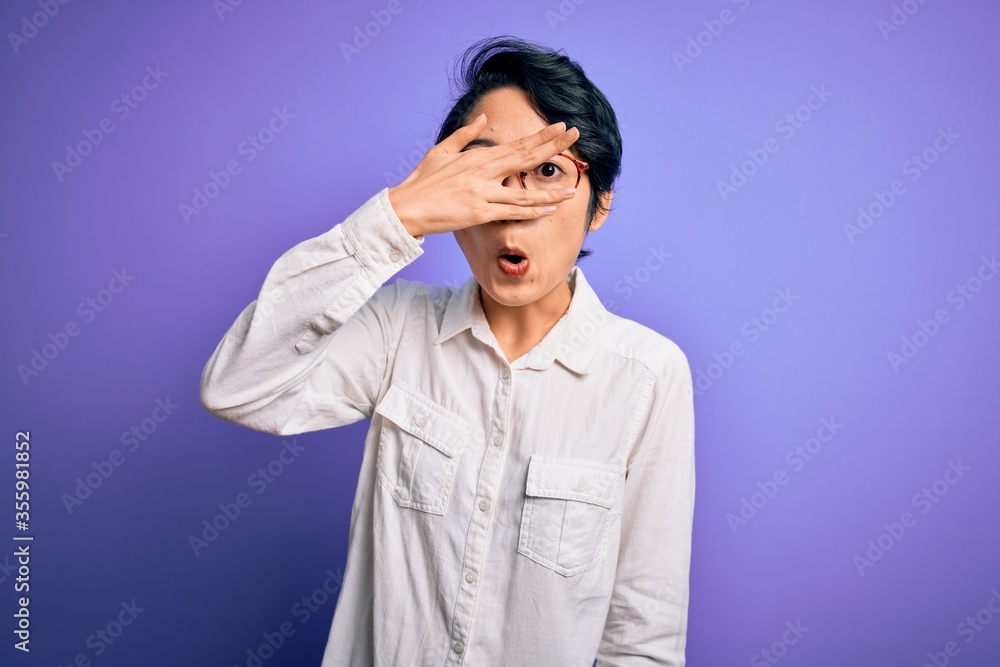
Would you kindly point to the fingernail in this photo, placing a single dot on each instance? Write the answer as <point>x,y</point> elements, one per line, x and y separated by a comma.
<point>568,191</point>
<point>549,209</point>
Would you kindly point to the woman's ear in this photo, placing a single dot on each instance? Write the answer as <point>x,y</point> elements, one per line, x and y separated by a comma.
<point>605,204</point>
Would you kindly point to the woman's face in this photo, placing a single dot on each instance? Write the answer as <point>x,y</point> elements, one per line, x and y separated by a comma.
<point>550,243</point>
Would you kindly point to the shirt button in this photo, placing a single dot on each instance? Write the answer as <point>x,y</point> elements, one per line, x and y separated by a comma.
<point>458,647</point>
<point>471,577</point>
<point>498,439</point>
<point>395,255</point>
<point>484,505</point>
<point>418,419</point>
<point>505,373</point>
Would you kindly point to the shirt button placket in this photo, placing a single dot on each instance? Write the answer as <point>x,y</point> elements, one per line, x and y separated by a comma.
<point>479,525</point>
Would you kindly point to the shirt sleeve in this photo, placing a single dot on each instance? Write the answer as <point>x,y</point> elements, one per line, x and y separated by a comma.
<point>647,617</point>
<point>311,350</point>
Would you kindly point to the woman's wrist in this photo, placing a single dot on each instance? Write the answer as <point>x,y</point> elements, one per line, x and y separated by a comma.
<point>398,203</point>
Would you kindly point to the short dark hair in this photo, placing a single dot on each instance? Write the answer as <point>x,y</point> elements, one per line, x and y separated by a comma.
<point>559,91</point>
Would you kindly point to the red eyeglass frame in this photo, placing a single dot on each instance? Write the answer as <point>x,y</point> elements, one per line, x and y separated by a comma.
<point>581,167</point>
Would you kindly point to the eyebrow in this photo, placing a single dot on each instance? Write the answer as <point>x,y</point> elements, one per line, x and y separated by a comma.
<point>479,141</point>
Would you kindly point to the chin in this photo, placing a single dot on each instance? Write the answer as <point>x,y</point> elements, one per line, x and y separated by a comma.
<point>508,295</point>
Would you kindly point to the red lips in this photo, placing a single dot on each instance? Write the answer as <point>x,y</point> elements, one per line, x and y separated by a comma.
<point>512,251</point>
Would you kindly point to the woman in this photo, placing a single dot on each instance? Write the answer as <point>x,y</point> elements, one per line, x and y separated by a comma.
<point>527,487</point>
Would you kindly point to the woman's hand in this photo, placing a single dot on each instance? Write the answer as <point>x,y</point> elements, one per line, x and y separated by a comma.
<point>451,190</point>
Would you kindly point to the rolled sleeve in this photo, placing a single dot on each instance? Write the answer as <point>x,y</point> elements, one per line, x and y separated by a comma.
<point>282,350</point>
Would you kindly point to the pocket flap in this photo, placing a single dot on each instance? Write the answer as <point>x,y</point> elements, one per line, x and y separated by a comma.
<point>573,479</point>
<point>423,417</point>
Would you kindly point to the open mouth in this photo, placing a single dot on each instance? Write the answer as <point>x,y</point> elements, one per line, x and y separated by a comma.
<point>512,264</point>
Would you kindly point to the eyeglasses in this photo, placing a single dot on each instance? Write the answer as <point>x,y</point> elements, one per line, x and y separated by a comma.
<point>561,171</point>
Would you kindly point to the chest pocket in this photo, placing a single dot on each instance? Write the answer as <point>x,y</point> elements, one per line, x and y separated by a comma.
<point>567,510</point>
<point>420,447</point>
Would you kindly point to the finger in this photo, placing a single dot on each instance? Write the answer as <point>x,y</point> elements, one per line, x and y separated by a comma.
<point>523,143</point>
<point>528,158</point>
<point>526,143</point>
<point>458,139</point>
<point>521,197</point>
<point>508,212</point>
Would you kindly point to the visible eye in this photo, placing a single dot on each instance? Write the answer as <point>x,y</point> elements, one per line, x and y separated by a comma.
<point>549,171</point>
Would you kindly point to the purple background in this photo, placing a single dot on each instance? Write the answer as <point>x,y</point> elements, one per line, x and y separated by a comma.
<point>358,126</point>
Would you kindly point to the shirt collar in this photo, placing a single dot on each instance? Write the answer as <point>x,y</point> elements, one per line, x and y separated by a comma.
<point>573,340</point>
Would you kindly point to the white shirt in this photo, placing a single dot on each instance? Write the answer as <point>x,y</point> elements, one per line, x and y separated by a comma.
<point>536,512</point>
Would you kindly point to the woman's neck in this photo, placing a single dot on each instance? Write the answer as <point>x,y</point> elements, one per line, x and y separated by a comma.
<point>519,328</point>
